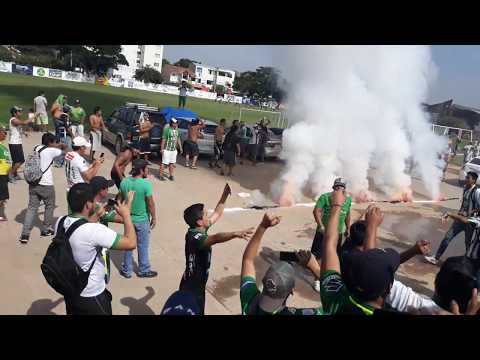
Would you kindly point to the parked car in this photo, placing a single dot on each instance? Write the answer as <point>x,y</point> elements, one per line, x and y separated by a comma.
<point>205,145</point>
<point>122,126</point>
<point>273,147</point>
<point>472,165</point>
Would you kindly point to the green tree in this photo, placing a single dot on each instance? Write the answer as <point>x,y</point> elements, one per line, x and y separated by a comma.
<point>186,63</point>
<point>165,62</point>
<point>220,90</point>
<point>149,75</point>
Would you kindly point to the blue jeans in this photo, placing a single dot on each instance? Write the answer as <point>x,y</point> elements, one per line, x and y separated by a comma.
<point>143,240</point>
<point>456,228</point>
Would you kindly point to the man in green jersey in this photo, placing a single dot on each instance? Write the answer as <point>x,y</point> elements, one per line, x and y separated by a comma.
<point>278,281</point>
<point>321,213</point>
<point>170,142</point>
<point>198,246</point>
<point>77,118</point>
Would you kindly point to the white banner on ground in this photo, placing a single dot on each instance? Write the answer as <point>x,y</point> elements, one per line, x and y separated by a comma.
<point>40,71</point>
<point>5,66</point>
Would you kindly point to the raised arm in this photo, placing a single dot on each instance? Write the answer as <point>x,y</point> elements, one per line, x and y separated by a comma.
<point>92,170</point>
<point>251,251</point>
<point>373,217</point>
<point>18,122</point>
<point>330,259</point>
<point>226,236</point>
<point>421,247</point>
<point>129,239</point>
<point>218,212</point>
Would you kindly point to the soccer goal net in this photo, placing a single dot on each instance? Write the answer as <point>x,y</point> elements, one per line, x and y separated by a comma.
<point>277,118</point>
<point>464,134</point>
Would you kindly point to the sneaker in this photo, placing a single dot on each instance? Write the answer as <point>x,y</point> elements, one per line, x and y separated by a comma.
<point>170,178</point>
<point>187,164</point>
<point>48,232</point>
<point>24,239</point>
<point>316,286</point>
<point>11,179</point>
<point>431,259</point>
<point>125,275</point>
<point>148,274</point>
<point>162,178</point>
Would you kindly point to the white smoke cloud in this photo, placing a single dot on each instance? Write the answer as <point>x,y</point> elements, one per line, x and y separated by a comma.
<point>354,107</point>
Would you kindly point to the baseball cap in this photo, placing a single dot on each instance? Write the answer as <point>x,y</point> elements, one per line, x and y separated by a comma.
<point>138,164</point>
<point>77,102</point>
<point>100,183</point>
<point>368,274</point>
<point>14,109</point>
<point>80,141</point>
<point>340,182</point>
<point>278,283</point>
<point>173,120</point>
<point>180,303</point>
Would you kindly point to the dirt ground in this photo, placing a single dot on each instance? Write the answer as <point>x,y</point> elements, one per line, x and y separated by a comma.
<point>26,291</point>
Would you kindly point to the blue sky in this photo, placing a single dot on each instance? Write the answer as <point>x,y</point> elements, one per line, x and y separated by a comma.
<point>458,76</point>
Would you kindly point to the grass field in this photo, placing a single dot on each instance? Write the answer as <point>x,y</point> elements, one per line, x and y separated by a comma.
<point>16,89</point>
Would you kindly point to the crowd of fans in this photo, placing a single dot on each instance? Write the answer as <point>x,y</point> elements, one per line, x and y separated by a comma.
<point>351,273</point>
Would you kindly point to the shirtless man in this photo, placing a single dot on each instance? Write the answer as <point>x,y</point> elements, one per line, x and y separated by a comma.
<point>144,140</point>
<point>96,127</point>
<point>191,146</point>
<point>217,147</point>
<point>119,166</point>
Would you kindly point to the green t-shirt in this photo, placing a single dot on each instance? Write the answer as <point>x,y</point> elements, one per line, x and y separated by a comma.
<point>170,136</point>
<point>5,160</point>
<point>336,298</point>
<point>143,189</point>
<point>324,203</point>
<point>249,293</point>
<point>77,114</point>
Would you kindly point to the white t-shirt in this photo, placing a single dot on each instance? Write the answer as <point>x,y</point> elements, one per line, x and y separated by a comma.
<point>75,165</point>
<point>85,241</point>
<point>15,134</point>
<point>40,105</point>
<point>254,138</point>
<point>46,157</point>
<point>402,298</point>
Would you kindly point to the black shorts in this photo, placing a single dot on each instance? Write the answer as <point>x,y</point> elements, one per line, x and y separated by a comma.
<point>116,178</point>
<point>252,150</point>
<point>16,152</point>
<point>97,305</point>
<point>4,195</point>
<point>229,158</point>
<point>144,145</point>
<point>191,148</point>
<point>317,245</point>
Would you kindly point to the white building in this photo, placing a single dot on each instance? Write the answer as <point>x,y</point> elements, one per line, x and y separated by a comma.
<point>138,57</point>
<point>208,76</point>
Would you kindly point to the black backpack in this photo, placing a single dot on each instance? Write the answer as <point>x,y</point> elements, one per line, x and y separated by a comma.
<point>59,267</point>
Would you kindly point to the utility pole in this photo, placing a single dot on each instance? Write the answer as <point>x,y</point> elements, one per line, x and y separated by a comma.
<point>71,59</point>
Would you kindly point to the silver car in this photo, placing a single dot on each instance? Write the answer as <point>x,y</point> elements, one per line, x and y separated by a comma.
<point>205,145</point>
<point>273,147</point>
<point>472,165</point>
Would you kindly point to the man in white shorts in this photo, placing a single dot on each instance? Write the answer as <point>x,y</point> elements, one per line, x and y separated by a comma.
<point>96,127</point>
<point>40,106</point>
<point>170,142</point>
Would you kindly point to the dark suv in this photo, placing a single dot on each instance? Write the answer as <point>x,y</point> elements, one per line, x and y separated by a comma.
<point>122,126</point>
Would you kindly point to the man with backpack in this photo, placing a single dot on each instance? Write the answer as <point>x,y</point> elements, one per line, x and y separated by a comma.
<point>38,174</point>
<point>73,265</point>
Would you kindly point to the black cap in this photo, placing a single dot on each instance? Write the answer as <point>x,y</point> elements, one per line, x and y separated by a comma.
<point>368,274</point>
<point>77,102</point>
<point>15,109</point>
<point>138,164</point>
<point>100,183</point>
<point>181,303</point>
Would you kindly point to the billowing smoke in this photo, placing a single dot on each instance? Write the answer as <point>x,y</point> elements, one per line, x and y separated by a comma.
<point>354,108</point>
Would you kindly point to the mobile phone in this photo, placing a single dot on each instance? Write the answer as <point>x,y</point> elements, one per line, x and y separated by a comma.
<point>289,256</point>
<point>111,204</point>
<point>102,154</point>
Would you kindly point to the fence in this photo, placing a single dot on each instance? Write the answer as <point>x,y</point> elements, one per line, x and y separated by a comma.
<point>131,84</point>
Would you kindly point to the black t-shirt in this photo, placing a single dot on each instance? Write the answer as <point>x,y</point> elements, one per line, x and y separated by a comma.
<point>197,261</point>
<point>230,143</point>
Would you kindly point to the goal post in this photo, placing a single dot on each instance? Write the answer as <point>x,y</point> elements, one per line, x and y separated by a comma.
<point>277,118</point>
<point>465,134</point>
